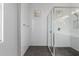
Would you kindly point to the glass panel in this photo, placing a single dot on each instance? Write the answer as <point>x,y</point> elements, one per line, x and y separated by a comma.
<point>66,29</point>
<point>49,27</point>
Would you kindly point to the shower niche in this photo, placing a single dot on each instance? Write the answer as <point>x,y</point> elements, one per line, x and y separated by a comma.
<point>62,31</point>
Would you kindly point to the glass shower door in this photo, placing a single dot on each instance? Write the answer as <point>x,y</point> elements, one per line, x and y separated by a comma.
<point>66,29</point>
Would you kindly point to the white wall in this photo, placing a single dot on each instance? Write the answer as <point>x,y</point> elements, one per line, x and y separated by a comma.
<point>19,28</point>
<point>39,26</point>
<point>9,46</point>
<point>0,22</point>
<point>63,37</point>
<point>25,28</point>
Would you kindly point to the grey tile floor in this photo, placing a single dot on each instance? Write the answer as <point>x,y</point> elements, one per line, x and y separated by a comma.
<point>66,51</point>
<point>37,51</point>
<point>43,51</point>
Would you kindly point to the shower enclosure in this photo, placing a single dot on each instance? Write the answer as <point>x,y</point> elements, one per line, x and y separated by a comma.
<point>63,31</point>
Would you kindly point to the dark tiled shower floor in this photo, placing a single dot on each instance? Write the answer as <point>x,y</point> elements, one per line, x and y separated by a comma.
<point>37,51</point>
<point>43,51</point>
<point>66,51</point>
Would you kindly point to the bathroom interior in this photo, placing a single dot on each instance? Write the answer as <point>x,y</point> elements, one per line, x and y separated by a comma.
<point>39,29</point>
<point>54,29</point>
